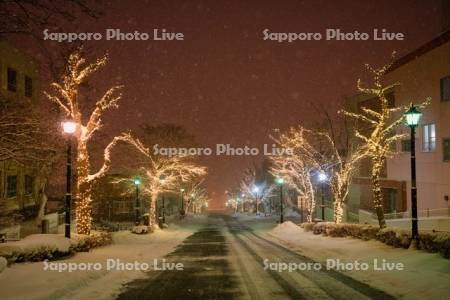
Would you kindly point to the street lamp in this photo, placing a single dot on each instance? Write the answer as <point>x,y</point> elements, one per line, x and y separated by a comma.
<point>322,178</point>
<point>255,192</point>
<point>280,182</point>
<point>182,202</point>
<point>69,128</point>
<point>412,120</point>
<point>137,182</point>
<point>162,181</point>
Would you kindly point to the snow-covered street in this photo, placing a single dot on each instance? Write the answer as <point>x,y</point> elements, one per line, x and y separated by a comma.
<point>242,258</point>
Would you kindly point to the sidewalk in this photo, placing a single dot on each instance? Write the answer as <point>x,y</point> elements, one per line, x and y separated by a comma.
<point>425,275</point>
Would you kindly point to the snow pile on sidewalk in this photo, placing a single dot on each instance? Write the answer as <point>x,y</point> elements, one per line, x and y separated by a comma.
<point>94,284</point>
<point>425,275</point>
<point>286,229</point>
<point>38,247</point>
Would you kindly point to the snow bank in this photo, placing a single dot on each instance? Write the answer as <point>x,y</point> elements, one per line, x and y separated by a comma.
<point>286,229</point>
<point>425,275</point>
<point>103,284</point>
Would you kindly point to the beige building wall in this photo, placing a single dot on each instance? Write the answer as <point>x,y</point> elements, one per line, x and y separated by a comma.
<point>420,78</point>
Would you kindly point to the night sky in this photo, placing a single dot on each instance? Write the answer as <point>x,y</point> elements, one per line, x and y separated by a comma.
<point>225,83</point>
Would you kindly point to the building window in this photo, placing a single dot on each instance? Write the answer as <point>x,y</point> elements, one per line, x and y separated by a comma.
<point>446,148</point>
<point>12,80</point>
<point>29,185</point>
<point>11,186</point>
<point>445,88</point>
<point>429,138</point>
<point>406,145</point>
<point>28,86</point>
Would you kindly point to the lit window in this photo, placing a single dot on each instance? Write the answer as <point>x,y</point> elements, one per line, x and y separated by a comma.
<point>445,89</point>
<point>429,138</point>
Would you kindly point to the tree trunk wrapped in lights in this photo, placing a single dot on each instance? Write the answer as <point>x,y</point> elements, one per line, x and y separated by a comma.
<point>380,135</point>
<point>66,97</point>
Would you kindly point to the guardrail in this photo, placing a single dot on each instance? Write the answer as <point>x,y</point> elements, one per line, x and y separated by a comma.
<point>426,213</point>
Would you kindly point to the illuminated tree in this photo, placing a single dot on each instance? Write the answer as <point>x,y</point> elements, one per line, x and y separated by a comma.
<point>341,167</point>
<point>161,174</point>
<point>256,186</point>
<point>197,197</point>
<point>67,98</point>
<point>379,132</point>
<point>298,166</point>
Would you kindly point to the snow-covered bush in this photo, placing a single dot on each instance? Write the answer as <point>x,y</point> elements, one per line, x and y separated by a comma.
<point>39,247</point>
<point>395,237</point>
<point>95,239</point>
<point>436,242</point>
<point>139,229</point>
<point>399,238</point>
<point>307,226</point>
<point>3,263</point>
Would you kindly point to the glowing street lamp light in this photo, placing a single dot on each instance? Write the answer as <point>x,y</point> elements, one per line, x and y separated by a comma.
<point>322,178</point>
<point>69,128</point>
<point>280,182</point>
<point>137,182</point>
<point>413,116</point>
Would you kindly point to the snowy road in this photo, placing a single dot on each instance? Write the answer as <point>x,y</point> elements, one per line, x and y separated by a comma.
<point>225,260</point>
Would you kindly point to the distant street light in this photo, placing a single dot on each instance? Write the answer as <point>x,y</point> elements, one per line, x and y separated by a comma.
<point>280,182</point>
<point>412,120</point>
<point>322,178</point>
<point>137,182</point>
<point>69,128</point>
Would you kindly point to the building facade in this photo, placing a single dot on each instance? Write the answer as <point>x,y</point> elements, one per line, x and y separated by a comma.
<point>422,73</point>
<point>19,183</point>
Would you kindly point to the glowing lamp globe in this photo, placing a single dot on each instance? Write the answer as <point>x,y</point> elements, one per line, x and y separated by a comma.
<point>322,176</point>
<point>279,180</point>
<point>255,189</point>
<point>413,116</point>
<point>137,181</point>
<point>181,190</point>
<point>69,127</point>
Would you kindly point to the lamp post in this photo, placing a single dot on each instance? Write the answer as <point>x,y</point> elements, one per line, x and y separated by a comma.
<point>322,178</point>
<point>182,202</point>
<point>255,192</point>
<point>137,182</point>
<point>412,120</point>
<point>162,181</point>
<point>69,127</point>
<point>280,182</point>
